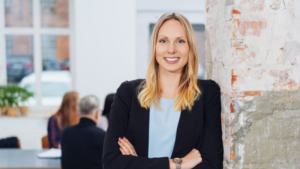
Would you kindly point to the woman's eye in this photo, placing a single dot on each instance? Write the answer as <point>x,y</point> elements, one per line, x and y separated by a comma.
<point>181,41</point>
<point>162,41</point>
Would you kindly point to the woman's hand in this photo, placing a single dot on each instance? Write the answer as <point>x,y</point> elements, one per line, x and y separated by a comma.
<point>126,147</point>
<point>191,160</point>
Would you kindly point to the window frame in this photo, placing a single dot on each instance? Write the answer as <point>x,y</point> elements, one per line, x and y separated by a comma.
<point>36,31</point>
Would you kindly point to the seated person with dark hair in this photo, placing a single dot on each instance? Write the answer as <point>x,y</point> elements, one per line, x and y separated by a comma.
<point>82,144</point>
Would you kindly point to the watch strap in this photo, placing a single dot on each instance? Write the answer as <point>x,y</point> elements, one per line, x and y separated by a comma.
<point>178,166</point>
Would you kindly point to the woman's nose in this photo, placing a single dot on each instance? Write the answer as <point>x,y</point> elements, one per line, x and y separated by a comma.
<point>171,48</point>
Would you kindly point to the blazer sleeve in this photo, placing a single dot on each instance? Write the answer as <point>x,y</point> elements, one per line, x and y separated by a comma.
<point>212,147</point>
<point>118,124</point>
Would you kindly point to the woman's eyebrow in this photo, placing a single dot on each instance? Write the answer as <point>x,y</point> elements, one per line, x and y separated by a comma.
<point>176,38</point>
<point>181,37</point>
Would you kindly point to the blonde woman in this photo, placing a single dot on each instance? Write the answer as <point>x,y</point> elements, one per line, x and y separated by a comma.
<point>170,120</point>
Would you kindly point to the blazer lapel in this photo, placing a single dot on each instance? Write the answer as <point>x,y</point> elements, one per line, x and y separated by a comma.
<point>179,141</point>
<point>144,127</point>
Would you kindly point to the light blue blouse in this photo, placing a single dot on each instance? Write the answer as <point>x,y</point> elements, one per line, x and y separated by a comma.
<point>162,129</point>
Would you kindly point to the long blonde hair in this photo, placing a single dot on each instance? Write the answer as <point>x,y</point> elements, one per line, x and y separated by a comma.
<point>149,90</point>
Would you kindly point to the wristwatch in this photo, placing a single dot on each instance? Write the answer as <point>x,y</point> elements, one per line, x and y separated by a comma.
<point>177,161</point>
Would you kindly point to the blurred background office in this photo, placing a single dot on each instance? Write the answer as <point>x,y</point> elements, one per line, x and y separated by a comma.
<point>91,47</point>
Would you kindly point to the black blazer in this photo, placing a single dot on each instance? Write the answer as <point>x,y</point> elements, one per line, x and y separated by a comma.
<point>199,128</point>
<point>10,142</point>
<point>82,146</point>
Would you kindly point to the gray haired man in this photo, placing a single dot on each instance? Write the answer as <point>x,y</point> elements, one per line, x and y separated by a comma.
<point>82,144</point>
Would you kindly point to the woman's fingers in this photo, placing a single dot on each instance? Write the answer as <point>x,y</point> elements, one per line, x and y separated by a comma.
<point>198,155</point>
<point>128,142</point>
<point>192,159</point>
<point>122,151</point>
<point>130,145</point>
<point>127,147</point>
<point>124,148</point>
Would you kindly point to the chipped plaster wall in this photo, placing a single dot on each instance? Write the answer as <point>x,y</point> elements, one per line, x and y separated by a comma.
<point>253,52</point>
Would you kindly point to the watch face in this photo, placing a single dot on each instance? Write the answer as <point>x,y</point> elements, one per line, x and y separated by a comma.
<point>177,160</point>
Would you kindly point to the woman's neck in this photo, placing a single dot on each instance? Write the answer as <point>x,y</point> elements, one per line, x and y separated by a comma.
<point>169,84</point>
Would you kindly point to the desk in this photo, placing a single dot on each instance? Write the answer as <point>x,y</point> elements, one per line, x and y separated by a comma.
<point>25,159</point>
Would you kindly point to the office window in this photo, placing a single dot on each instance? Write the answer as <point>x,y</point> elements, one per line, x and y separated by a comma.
<point>18,13</point>
<point>54,13</point>
<point>37,53</point>
<point>56,66</point>
<point>19,57</point>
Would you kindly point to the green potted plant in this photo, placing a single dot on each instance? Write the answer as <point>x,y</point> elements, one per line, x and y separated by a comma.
<point>11,99</point>
<point>3,107</point>
<point>24,96</point>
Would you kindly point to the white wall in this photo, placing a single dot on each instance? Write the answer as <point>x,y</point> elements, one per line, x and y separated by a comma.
<point>171,5</point>
<point>149,11</point>
<point>28,130</point>
<point>104,45</point>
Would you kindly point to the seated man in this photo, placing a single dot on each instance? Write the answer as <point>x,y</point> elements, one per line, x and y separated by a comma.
<point>82,144</point>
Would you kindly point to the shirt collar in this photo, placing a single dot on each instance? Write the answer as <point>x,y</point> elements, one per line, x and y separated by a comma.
<point>87,122</point>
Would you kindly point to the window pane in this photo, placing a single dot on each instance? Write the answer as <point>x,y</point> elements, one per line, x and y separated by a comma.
<point>56,78</point>
<point>18,13</point>
<point>20,62</point>
<point>200,40</point>
<point>55,13</point>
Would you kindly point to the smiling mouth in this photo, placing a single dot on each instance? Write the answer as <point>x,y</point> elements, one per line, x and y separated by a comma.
<point>172,59</point>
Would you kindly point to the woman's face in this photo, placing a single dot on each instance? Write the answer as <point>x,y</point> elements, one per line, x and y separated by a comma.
<point>172,48</point>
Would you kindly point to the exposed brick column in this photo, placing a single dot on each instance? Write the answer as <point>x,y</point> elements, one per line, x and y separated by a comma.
<point>253,52</point>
